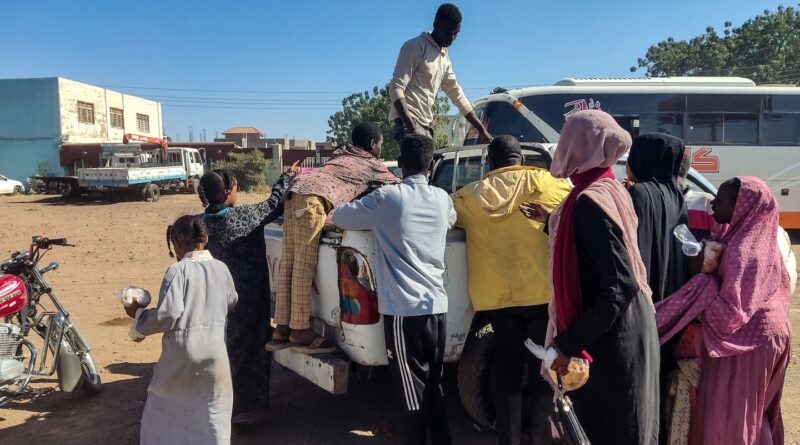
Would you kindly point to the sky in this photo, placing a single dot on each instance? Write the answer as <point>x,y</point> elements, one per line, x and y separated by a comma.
<point>284,67</point>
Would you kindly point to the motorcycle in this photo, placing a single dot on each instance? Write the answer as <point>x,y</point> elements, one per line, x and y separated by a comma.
<point>63,351</point>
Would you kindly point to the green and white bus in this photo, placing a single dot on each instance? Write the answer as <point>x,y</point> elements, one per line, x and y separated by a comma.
<point>732,126</point>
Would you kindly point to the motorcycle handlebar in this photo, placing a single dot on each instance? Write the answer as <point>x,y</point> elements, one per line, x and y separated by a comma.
<point>44,243</point>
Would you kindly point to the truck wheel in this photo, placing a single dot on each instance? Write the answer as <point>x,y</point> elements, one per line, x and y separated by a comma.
<point>151,193</point>
<point>473,377</point>
<point>17,190</point>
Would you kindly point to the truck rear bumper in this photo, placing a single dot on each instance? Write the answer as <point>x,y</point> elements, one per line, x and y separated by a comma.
<point>328,371</point>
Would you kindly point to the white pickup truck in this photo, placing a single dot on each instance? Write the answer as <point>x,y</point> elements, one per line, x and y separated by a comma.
<point>127,169</point>
<point>344,304</point>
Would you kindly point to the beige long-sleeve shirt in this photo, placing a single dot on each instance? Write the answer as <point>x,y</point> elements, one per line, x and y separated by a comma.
<point>423,68</point>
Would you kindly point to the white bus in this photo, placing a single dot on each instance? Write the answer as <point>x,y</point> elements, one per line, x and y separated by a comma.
<point>732,126</point>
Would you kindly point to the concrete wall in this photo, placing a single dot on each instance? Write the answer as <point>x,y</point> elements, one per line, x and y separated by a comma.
<point>37,115</point>
<point>71,92</point>
<point>29,127</point>
<point>248,140</point>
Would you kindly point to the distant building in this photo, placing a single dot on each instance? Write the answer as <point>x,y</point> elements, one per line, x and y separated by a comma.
<point>327,145</point>
<point>291,144</point>
<point>250,137</point>
<point>38,116</point>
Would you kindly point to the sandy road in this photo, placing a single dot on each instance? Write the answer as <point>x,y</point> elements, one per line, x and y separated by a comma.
<point>124,243</point>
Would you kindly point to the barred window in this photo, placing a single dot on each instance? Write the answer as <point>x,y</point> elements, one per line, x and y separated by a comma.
<point>117,118</point>
<point>85,112</point>
<point>143,123</point>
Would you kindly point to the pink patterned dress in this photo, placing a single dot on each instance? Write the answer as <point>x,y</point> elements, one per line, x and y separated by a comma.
<point>743,310</point>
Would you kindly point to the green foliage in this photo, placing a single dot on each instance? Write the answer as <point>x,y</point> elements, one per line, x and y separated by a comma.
<point>374,107</point>
<point>765,49</point>
<point>250,168</point>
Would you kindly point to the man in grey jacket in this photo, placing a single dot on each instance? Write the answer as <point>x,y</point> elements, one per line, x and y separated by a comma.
<point>410,221</point>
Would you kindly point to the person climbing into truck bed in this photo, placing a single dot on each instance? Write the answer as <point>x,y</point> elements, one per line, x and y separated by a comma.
<point>311,196</point>
<point>508,261</point>
<point>410,221</point>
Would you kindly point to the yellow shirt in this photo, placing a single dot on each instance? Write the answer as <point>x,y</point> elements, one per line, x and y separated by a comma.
<point>508,255</point>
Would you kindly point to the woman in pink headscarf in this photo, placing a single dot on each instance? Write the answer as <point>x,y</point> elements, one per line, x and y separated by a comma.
<point>601,306</point>
<point>743,309</point>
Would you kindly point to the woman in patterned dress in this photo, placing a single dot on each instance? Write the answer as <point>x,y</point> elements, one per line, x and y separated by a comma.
<point>236,237</point>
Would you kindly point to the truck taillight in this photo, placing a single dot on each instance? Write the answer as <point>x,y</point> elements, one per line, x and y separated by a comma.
<point>358,300</point>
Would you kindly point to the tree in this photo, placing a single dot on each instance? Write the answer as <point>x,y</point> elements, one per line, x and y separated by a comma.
<point>250,168</point>
<point>765,49</point>
<point>374,107</point>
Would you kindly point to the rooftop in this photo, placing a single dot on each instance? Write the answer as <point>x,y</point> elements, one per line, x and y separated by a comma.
<point>683,81</point>
<point>243,130</point>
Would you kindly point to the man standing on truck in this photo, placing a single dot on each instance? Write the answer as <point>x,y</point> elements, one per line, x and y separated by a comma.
<point>410,221</point>
<point>422,68</point>
<point>310,198</point>
<point>508,262</point>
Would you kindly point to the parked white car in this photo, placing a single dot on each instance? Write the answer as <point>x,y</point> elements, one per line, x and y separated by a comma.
<point>10,186</point>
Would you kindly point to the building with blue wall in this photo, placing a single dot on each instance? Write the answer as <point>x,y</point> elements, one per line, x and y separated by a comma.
<point>38,115</point>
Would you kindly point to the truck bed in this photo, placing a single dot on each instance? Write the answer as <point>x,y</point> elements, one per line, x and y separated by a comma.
<point>364,343</point>
<point>121,177</point>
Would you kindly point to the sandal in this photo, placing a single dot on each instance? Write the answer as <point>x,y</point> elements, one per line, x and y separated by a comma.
<point>280,340</point>
<point>276,345</point>
<point>320,345</point>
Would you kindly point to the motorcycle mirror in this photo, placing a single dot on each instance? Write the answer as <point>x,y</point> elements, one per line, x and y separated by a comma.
<point>50,267</point>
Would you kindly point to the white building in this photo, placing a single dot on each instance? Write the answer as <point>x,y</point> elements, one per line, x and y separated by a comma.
<point>38,115</point>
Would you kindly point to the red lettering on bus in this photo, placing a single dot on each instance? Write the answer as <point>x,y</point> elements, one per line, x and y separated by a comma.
<point>704,162</point>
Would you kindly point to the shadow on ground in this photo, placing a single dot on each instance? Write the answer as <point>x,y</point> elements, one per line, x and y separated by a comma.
<point>299,413</point>
<point>73,418</point>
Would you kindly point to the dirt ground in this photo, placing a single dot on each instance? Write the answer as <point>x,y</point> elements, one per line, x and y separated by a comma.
<point>124,243</point>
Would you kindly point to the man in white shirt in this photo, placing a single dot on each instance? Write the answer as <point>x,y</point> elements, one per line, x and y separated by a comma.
<point>422,68</point>
<point>410,221</point>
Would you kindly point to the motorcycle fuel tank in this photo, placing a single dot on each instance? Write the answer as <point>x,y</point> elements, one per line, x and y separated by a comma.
<point>13,295</point>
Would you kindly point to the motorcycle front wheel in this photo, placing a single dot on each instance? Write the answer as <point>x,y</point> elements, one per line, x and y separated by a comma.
<point>91,379</point>
<point>91,383</point>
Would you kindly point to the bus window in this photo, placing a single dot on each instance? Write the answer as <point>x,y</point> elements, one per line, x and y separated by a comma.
<point>780,128</point>
<point>741,128</point>
<point>471,138</point>
<point>662,123</point>
<point>705,128</point>
<point>774,102</point>
<point>553,108</point>
<point>723,103</point>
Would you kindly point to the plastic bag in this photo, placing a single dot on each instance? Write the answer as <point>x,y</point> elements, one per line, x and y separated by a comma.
<point>689,244</point>
<point>127,295</point>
